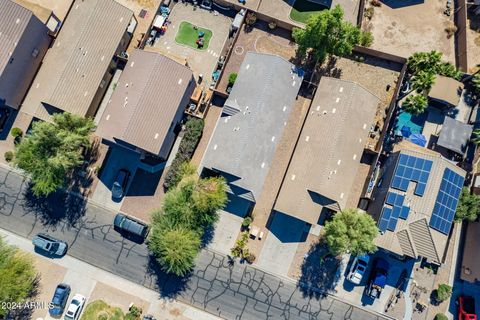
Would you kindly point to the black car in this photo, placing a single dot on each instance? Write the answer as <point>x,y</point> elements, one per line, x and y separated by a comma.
<point>126,224</point>
<point>120,183</point>
<point>59,300</point>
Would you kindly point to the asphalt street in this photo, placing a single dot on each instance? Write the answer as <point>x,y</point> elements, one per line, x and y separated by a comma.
<point>235,291</point>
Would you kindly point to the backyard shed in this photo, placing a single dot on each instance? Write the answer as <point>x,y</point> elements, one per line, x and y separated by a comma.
<point>446,91</point>
<point>455,135</point>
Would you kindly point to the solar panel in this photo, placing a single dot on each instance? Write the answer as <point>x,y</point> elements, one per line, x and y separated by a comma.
<point>391,196</point>
<point>410,168</point>
<point>386,213</point>
<point>404,212</point>
<point>446,202</point>
<point>392,223</point>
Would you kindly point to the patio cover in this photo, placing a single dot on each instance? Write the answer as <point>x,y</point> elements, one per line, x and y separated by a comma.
<point>446,90</point>
<point>455,135</point>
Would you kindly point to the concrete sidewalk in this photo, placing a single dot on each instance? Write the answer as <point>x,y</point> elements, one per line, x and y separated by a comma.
<point>159,307</point>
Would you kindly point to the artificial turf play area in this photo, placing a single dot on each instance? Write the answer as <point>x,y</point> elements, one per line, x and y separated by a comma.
<point>302,10</point>
<point>193,36</point>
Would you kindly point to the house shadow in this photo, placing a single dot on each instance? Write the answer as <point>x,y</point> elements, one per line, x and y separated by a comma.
<point>59,206</point>
<point>397,4</point>
<point>287,228</point>
<point>144,183</point>
<point>320,272</point>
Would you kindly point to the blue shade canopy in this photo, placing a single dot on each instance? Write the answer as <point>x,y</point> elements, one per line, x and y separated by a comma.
<point>418,139</point>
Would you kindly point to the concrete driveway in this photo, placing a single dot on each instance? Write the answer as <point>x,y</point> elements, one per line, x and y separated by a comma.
<point>116,159</point>
<point>281,243</point>
<point>229,224</point>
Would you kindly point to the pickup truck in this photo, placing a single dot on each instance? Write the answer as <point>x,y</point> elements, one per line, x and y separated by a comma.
<point>378,278</point>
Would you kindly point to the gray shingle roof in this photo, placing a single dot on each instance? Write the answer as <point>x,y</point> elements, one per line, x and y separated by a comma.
<point>327,155</point>
<point>153,90</point>
<point>455,135</point>
<point>13,21</point>
<point>74,67</point>
<point>253,121</point>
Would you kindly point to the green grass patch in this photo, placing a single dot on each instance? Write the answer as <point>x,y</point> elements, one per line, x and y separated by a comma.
<point>100,310</point>
<point>302,10</point>
<point>188,35</point>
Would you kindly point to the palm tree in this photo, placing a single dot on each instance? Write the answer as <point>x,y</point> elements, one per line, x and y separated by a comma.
<point>415,104</point>
<point>423,81</point>
<point>424,61</point>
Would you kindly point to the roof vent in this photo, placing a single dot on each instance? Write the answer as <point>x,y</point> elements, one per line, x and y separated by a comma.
<point>121,19</point>
<point>318,108</point>
<point>215,147</point>
<point>341,195</point>
<point>38,85</point>
<point>364,126</point>
<point>156,136</point>
<point>324,111</point>
<point>293,177</point>
<point>307,138</point>
<point>180,81</point>
<point>273,138</point>
<point>247,67</point>
<point>263,165</point>
<point>102,58</point>
<point>341,89</point>
<point>18,21</point>
<point>339,161</point>
<point>334,110</point>
<point>293,84</point>
<point>354,157</point>
<point>284,108</point>
<point>337,100</point>
<point>85,94</point>
<point>107,117</point>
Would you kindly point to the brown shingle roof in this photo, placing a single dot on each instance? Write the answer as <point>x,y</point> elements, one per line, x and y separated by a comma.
<point>74,67</point>
<point>153,90</point>
<point>326,158</point>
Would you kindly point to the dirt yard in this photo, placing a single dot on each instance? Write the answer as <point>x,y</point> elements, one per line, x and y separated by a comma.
<point>473,44</point>
<point>151,6</point>
<point>405,27</point>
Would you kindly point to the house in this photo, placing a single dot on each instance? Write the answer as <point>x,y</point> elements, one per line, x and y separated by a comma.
<point>77,69</point>
<point>445,91</point>
<point>470,270</point>
<point>25,41</point>
<point>327,156</point>
<point>147,104</point>
<point>415,202</point>
<point>455,136</point>
<point>252,123</point>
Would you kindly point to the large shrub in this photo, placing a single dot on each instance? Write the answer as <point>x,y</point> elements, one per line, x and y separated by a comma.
<point>193,133</point>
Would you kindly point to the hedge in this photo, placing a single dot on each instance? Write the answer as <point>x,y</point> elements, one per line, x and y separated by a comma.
<point>193,133</point>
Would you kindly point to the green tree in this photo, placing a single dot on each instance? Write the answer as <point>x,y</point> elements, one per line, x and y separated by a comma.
<point>425,61</point>
<point>415,104</point>
<point>440,316</point>
<point>17,275</point>
<point>443,292</point>
<point>468,206</point>
<point>351,231</point>
<point>423,81</point>
<point>476,83</point>
<point>326,33</point>
<point>52,150</point>
<point>175,248</point>
<point>188,209</point>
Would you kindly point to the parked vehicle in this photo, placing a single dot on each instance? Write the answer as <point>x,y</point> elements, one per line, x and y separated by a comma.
<point>131,226</point>
<point>75,308</point>
<point>59,300</point>
<point>4,114</point>
<point>378,278</point>
<point>120,183</point>
<point>50,244</point>
<point>466,308</point>
<point>358,268</point>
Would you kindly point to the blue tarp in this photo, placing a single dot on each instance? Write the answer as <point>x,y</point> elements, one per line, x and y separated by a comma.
<point>406,131</point>
<point>418,139</point>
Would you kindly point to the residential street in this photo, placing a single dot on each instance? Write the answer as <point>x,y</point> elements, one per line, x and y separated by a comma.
<point>232,292</point>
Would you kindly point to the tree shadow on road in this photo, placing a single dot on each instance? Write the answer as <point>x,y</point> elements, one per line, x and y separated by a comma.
<point>320,272</point>
<point>56,207</point>
<point>168,285</point>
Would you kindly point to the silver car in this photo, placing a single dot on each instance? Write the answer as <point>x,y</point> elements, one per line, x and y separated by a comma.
<point>50,244</point>
<point>358,268</point>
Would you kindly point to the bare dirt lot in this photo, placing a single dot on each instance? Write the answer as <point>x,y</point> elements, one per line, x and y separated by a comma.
<point>405,27</point>
<point>473,43</point>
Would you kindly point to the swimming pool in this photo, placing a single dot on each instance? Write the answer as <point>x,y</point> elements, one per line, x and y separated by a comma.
<point>415,123</point>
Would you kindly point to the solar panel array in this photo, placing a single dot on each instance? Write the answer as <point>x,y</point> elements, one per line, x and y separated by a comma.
<point>447,200</point>
<point>390,216</point>
<point>410,168</point>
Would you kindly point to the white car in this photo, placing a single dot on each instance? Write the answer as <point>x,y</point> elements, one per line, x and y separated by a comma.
<point>358,268</point>
<point>75,307</point>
